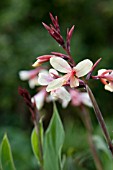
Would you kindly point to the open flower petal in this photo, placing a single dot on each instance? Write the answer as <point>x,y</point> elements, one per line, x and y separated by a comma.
<point>60,64</point>
<point>24,75</point>
<point>85,99</point>
<point>83,67</point>
<point>53,72</point>
<point>33,82</point>
<point>55,84</point>
<point>109,87</point>
<point>44,79</point>
<point>62,94</point>
<point>74,82</point>
<point>39,99</point>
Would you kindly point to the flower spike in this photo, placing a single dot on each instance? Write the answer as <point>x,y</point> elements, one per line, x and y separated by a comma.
<point>55,34</point>
<point>27,99</point>
<point>55,22</point>
<point>69,35</point>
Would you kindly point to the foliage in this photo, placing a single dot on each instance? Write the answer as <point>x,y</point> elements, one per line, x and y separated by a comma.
<point>53,143</point>
<point>6,155</point>
<point>35,142</point>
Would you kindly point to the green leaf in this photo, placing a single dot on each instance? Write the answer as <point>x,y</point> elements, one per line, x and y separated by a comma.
<point>53,141</point>
<point>6,155</point>
<point>101,145</point>
<point>37,149</point>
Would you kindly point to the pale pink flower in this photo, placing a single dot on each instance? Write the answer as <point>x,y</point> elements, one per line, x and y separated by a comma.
<point>39,98</point>
<point>60,93</point>
<point>106,77</point>
<point>72,74</point>
<point>31,76</point>
<point>78,98</point>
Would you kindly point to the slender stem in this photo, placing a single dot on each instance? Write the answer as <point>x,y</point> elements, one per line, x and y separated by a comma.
<point>100,118</point>
<point>87,122</point>
<point>38,131</point>
<point>72,62</point>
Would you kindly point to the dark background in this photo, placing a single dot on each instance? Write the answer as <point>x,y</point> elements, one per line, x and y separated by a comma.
<point>23,38</point>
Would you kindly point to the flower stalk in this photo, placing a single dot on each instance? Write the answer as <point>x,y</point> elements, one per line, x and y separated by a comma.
<point>100,119</point>
<point>35,118</point>
<point>85,116</point>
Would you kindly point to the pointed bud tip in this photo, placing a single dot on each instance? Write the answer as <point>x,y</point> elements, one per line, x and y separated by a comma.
<point>36,64</point>
<point>50,14</point>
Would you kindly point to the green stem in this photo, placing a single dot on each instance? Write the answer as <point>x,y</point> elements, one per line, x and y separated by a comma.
<point>37,128</point>
<point>100,118</point>
<point>87,122</point>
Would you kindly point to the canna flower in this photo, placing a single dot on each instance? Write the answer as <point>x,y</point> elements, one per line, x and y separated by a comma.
<point>58,94</point>
<point>106,77</point>
<point>72,74</point>
<point>31,76</point>
<point>79,98</point>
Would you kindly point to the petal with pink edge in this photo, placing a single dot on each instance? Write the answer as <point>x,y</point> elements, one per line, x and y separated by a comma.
<point>60,64</point>
<point>83,67</point>
<point>74,82</point>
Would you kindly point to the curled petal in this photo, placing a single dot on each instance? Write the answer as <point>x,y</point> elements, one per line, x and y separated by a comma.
<point>109,87</point>
<point>101,71</point>
<point>60,64</point>
<point>44,79</point>
<point>55,84</point>
<point>83,67</point>
<point>53,72</point>
<point>74,82</point>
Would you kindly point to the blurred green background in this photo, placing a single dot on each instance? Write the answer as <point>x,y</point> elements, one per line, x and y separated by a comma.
<point>22,39</point>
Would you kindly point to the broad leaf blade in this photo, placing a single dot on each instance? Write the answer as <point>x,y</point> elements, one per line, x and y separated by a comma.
<point>6,155</point>
<point>53,141</point>
<point>35,142</point>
